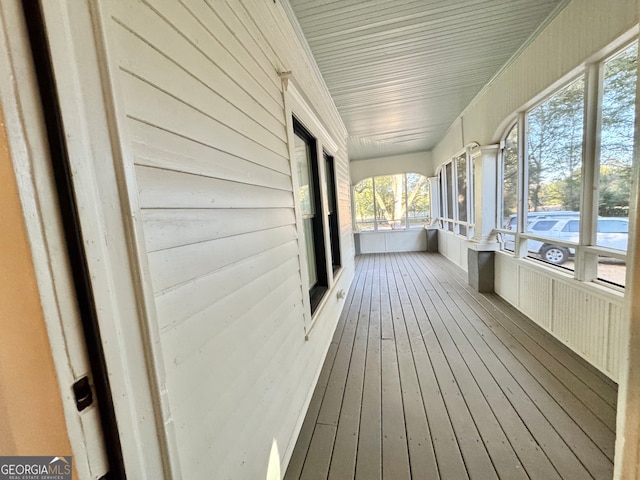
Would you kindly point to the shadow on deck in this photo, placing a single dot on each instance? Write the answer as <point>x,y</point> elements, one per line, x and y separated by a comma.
<point>426,379</point>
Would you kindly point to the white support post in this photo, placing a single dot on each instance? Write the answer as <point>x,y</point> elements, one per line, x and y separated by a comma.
<point>485,198</point>
<point>435,207</point>
<point>587,263</point>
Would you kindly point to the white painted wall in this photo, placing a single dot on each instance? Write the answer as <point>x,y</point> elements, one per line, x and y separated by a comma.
<point>412,240</point>
<point>410,163</point>
<point>199,126</point>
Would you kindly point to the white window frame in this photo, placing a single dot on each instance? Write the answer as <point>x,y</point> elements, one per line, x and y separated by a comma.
<point>452,223</point>
<point>407,223</point>
<point>586,252</point>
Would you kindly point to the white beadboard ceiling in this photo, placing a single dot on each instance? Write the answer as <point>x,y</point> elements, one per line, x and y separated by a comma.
<point>401,71</point>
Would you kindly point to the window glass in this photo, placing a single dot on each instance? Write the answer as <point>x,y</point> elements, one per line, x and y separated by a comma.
<point>450,193</point>
<point>305,180</point>
<point>612,270</point>
<point>306,195</point>
<point>613,226</point>
<point>332,211</point>
<point>311,209</point>
<point>392,202</point>
<point>311,253</point>
<point>572,226</point>
<point>616,146</point>
<point>542,225</point>
<point>443,193</point>
<point>364,205</point>
<point>461,170</point>
<point>389,193</point>
<point>418,200</point>
<point>554,156</point>
<point>553,164</point>
<point>510,179</point>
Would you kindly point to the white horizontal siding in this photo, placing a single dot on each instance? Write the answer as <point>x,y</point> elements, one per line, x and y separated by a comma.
<point>154,147</point>
<point>167,228</point>
<point>204,120</point>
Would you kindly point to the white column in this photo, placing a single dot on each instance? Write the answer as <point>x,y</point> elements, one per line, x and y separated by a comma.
<point>485,161</point>
<point>434,191</point>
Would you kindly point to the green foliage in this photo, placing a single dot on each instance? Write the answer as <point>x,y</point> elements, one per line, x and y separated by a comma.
<point>384,201</point>
<point>555,132</point>
<point>555,144</point>
<point>510,175</point>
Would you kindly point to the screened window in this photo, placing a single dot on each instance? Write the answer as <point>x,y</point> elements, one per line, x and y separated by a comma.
<point>418,200</point>
<point>461,173</point>
<point>555,151</point>
<point>510,178</point>
<point>450,193</point>
<point>572,226</point>
<point>564,223</point>
<point>456,178</point>
<point>364,205</point>
<point>392,202</point>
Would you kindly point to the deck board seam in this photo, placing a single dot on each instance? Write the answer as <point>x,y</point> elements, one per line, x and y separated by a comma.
<point>507,397</point>
<point>478,303</point>
<point>524,390</point>
<point>438,382</point>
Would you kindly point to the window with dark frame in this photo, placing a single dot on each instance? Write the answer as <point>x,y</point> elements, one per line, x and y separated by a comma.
<point>306,159</point>
<point>332,212</point>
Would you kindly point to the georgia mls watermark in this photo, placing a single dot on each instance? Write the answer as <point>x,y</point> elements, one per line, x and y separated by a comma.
<point>35,468</point>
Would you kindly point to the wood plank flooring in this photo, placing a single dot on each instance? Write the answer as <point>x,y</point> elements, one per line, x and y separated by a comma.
<point>428,379</point>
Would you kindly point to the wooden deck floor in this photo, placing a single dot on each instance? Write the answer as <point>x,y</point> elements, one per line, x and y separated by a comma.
<point>427,379</point>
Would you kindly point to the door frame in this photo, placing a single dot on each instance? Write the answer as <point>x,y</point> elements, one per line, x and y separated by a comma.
<point>108,237</point>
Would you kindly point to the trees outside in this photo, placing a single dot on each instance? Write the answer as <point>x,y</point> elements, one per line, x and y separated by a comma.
<point>390,201</point>
<point>555,149</point>
<point>617,119</point>
<point>555,132</point>
<point>510,175</point>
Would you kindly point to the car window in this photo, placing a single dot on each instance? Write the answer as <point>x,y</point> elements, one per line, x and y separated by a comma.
<point>572,226</point>
<point>613,226</point>
<point>543,225</point>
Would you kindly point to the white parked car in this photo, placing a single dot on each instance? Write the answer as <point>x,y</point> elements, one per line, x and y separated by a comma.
<point>612,233</point>
<point>510,224</point>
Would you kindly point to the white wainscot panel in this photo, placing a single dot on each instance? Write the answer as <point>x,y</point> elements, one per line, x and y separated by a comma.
<point>616,339</point>
<point>580,320</point>
<point>586,317</point>
<point>535,290</point>
<point>505,281</point>
<point>454,248</point>
<point>393,241</point>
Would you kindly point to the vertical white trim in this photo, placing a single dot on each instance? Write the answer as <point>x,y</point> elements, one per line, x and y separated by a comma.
<point>523,186</point>
<point>586,264</point>
<point>102,184</point>
<point>30,155</point>
<point>302,249</point>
